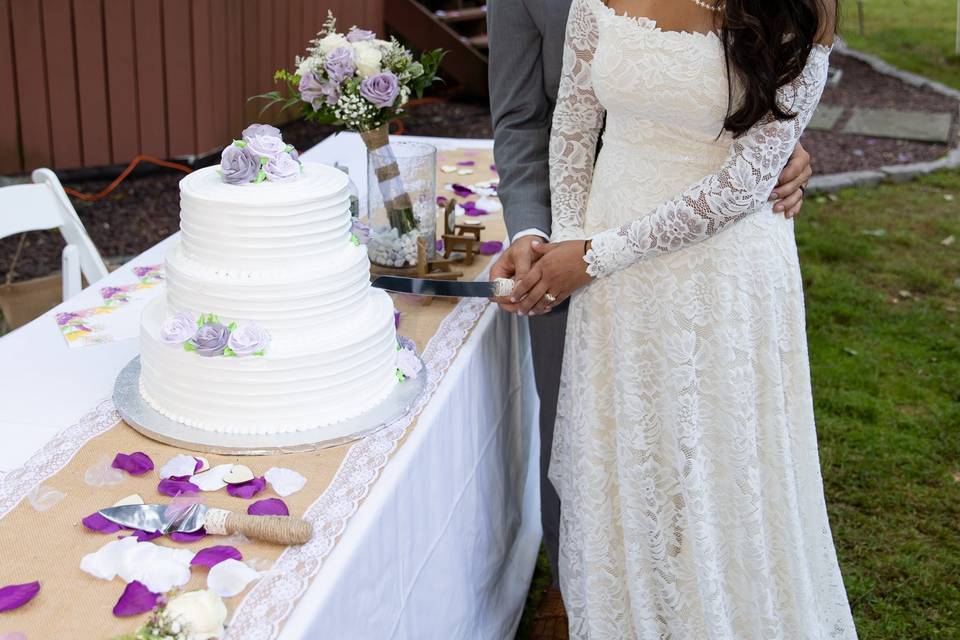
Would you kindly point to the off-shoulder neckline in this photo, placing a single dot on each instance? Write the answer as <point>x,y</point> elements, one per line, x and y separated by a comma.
<point>650,24</point>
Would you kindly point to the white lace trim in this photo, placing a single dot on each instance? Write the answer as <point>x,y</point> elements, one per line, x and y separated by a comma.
<point>263,610</point>
<point>54,456</point>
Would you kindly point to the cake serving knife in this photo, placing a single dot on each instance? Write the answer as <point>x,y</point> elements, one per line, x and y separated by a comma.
<point>445,288</point>
<point>159,518</point>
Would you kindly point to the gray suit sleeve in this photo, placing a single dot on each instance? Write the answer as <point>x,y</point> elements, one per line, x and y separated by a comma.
<point>521,114</point>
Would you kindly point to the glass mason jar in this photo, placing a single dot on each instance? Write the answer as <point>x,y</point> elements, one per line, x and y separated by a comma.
<point>411,209</point>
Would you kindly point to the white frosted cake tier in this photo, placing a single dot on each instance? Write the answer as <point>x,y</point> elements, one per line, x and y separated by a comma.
<point>302,299</point>
<point>268,225</point>
<point>336,372</point>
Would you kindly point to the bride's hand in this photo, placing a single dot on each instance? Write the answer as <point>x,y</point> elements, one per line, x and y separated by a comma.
<point>559,272</point>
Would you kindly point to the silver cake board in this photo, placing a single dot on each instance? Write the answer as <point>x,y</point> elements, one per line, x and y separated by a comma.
<point>137,413</point>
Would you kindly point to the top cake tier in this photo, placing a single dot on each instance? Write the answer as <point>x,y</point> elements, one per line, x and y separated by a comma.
<point>267,225</point>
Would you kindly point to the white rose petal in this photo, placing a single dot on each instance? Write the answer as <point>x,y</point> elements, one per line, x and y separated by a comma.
<point>212,479</point>
<point>178,466</point>
<point>238,474</point>
<point>490,205</point>
<point>331,42</point>
<point>158,568</point>
<point>133,498</point>
<point>202,613</point>
<point>448,168</point>
<point>367,58</point>
<point>104,563</point>
<point>230,577</point>
<point>285,481</point>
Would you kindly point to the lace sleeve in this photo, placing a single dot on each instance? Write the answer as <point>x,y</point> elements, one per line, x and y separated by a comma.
<point>741,186</point>
<point>577,119</point>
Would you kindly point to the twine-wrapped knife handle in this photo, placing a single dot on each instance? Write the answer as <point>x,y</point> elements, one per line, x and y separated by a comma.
<point>279,529</point>
<point>502,287</point>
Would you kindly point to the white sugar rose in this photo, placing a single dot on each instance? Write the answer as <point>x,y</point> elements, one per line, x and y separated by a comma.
<point>367,58</point>
<point>331,42</point>
<point>201,614</point>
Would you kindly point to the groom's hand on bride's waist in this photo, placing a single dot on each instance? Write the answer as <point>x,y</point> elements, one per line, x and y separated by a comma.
<point>515,263</point>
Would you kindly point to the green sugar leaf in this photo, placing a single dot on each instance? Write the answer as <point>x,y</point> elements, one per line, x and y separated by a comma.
<point>188,346</point>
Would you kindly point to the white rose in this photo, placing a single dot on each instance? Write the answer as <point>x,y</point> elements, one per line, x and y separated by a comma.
<point>201,614</point>
<point>307,65</point>
<point>368,59</point>
<point>331,42</point>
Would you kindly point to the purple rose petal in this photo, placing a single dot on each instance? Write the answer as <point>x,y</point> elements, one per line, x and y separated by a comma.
<point>210,556</point>
<point>145,536</point>
<point>136,464</point>
<point>15,596</point>
<point>490,247</point>
<point>493,168</point>
<point>461,190</point>
<point>174,487</point>
<point>96,522</point>
<point>439,245</point>
<point>135,599</point>
<point>186,538</point>
<point>247,489</point>
<point>466,163</point>
<point>396,318</point>
<point>441,201</point>
<point>470,208</point>
<point>268,507</point>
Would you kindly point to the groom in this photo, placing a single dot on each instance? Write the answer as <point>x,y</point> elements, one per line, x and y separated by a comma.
<point>526,47</point>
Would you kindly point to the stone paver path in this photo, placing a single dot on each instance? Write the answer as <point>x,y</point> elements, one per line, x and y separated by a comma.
<point>905,125</point>
<point>825,117</point>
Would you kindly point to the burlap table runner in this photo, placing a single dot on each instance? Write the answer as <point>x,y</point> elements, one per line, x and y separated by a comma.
<point>48,545</point>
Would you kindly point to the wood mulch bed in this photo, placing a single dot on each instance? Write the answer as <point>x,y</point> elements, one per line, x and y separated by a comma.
<point>144,210</point>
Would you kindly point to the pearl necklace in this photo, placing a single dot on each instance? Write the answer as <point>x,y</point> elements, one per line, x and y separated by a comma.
<point>709,7</point>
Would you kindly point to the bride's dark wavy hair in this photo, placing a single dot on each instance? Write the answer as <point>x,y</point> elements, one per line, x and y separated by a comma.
<point>766,43</point>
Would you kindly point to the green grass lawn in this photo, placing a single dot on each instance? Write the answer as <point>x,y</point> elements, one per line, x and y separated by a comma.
<point>883,319</point>
<point>915,35</point>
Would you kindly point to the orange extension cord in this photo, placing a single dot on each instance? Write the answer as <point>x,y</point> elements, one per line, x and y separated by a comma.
<point>88,197</point>
<point>93,197</point>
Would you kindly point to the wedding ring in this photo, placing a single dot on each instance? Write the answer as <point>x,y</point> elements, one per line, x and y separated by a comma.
<point>550,297</point>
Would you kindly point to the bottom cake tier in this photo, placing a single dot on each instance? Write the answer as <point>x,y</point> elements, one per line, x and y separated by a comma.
<point>335,374</point>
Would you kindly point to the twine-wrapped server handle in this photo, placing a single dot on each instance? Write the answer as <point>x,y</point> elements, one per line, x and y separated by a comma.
<point>279,529</point>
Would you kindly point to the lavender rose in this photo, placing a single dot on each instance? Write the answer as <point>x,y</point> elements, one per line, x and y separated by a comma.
<point>210,339</point>
<point>282,168</point>
<point>238,165</point>
<point>260,130</point>
<point>265,146</point>
<point>248,340</point>
<point>359,35</point>
<point>360,230</point>
<point>340,65</point>
<point>408,363</point>
<point>313,91</point>
<point>178,329</point>
<point>380,89</point>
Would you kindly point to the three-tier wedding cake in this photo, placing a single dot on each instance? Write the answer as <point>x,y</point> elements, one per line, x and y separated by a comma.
<point>269,323</point>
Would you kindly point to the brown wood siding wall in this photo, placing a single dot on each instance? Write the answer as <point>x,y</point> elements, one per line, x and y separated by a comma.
<point>95,82</point>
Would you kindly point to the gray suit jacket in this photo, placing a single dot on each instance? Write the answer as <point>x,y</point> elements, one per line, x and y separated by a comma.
<point>526,51</point>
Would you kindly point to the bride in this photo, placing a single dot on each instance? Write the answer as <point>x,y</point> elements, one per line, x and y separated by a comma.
<point>685,452</point>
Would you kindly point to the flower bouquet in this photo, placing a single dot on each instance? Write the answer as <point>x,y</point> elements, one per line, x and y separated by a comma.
<point>359,83</point>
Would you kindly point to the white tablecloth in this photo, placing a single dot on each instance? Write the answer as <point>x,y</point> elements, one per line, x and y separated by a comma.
<point>445,543</point>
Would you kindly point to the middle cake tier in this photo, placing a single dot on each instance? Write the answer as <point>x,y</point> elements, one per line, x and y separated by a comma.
<point>281,300</point>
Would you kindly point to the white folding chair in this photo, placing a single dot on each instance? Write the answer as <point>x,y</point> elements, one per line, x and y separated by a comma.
<point>44,205</point>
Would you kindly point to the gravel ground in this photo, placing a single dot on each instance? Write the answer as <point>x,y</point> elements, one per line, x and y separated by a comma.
<point>144,210</point>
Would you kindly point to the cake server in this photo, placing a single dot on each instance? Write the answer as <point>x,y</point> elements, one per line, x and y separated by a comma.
<point>445,288</point>
<point>158,517</point>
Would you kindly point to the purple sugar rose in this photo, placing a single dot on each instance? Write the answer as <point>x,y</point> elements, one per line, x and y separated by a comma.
<point>360,230</point>
<point>259,131</point>
<point>250,339</point>
<point>210,339</point>
<point>265,146</point>
<point>339,64</point>
<point>238,165</point>
<point>282,168</point>
<point>359,35</point>
<point>178,329</point>
<point>381,89</point>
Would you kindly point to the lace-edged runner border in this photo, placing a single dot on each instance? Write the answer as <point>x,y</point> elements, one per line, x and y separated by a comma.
<point>262,611</point>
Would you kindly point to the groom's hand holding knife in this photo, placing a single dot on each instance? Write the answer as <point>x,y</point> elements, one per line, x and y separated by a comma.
<point>515,263</point>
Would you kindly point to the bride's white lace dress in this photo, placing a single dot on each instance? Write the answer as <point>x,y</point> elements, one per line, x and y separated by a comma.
<point>685,453</point>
